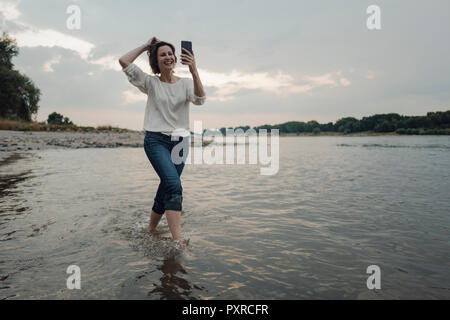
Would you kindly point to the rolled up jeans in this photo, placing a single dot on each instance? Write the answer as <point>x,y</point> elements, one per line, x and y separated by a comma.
<point>158,148</point>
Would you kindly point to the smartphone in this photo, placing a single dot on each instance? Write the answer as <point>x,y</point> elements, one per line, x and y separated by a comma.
<point>187,45</point>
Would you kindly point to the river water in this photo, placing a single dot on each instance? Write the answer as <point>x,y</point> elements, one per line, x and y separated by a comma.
<point>336,206</point>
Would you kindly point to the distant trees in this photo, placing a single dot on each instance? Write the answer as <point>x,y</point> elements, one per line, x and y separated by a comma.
<point>19,97</point>
<point>348,125</point>
<point>56,118</point>
<point>433,123</point>
<point>243,128</point>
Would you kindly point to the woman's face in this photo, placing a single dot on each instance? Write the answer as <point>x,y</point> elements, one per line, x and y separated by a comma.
<point>166,59</point>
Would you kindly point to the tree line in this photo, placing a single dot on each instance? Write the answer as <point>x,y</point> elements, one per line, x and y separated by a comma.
<point>432,123</point>
<point>19,97</point>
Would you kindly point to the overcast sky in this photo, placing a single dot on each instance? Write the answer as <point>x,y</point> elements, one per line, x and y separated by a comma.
<point>261,62</point>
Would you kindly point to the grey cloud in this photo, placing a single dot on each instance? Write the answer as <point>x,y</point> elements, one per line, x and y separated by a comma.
<point>296,37</point>
<point>70,85</point>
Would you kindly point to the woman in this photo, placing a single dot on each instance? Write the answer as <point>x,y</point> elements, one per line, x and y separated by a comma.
<point>166,121</point>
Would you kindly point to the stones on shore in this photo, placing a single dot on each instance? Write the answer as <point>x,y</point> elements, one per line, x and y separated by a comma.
<point>39,140</point>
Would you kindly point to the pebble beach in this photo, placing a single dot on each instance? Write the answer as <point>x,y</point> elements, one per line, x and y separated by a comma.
<point>16,141</point>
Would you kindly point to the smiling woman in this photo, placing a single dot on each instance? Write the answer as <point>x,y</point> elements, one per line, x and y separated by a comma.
<point>166,122</point>
<point>166,56</point>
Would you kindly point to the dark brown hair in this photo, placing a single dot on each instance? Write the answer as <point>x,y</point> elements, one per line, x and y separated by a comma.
<point>152,53</point>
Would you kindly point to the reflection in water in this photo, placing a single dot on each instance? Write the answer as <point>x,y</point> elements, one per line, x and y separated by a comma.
<point>164,277</point>
<point>173,286</point>
<point>8,183</point>
<point>11,159</point>
<point>12,206</point>
<point>10,190</point>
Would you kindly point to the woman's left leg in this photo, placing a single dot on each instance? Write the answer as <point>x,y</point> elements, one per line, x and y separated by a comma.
<point>174,221</point>
<point>174,216</point>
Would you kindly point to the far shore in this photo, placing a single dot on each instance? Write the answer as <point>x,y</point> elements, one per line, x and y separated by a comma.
<point>356,134</point>
<point>26,136</point>
<point>33,126</point>
<point>38,140</point>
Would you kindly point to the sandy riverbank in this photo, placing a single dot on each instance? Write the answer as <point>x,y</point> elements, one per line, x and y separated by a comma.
<point>41,140</point>
<point>36,140</point>
<point>14,141</point>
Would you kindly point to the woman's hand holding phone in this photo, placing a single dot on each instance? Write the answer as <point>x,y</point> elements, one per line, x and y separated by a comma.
<point>188,59</point>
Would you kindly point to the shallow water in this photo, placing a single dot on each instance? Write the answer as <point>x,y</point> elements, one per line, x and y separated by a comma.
<point>336,206</point>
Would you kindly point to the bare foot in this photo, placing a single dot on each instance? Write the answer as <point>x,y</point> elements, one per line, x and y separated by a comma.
<point>181,244</point>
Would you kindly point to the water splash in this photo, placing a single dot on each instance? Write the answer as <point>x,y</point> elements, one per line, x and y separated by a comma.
<point>156,244</point>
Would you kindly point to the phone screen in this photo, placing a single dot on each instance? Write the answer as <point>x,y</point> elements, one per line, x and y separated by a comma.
<point>187,45</point>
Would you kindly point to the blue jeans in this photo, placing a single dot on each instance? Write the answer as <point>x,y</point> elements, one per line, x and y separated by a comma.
<point>158,148</point>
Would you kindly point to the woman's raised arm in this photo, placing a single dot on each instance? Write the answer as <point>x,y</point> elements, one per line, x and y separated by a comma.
<point>129,57</point>
<point>188,58</point>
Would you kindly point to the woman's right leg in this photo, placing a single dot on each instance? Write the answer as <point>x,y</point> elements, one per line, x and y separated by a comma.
<point>154,220</point>
<point>158,208</point>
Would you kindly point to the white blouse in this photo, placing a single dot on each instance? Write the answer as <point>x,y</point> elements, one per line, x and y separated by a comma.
<point>167,109</point>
